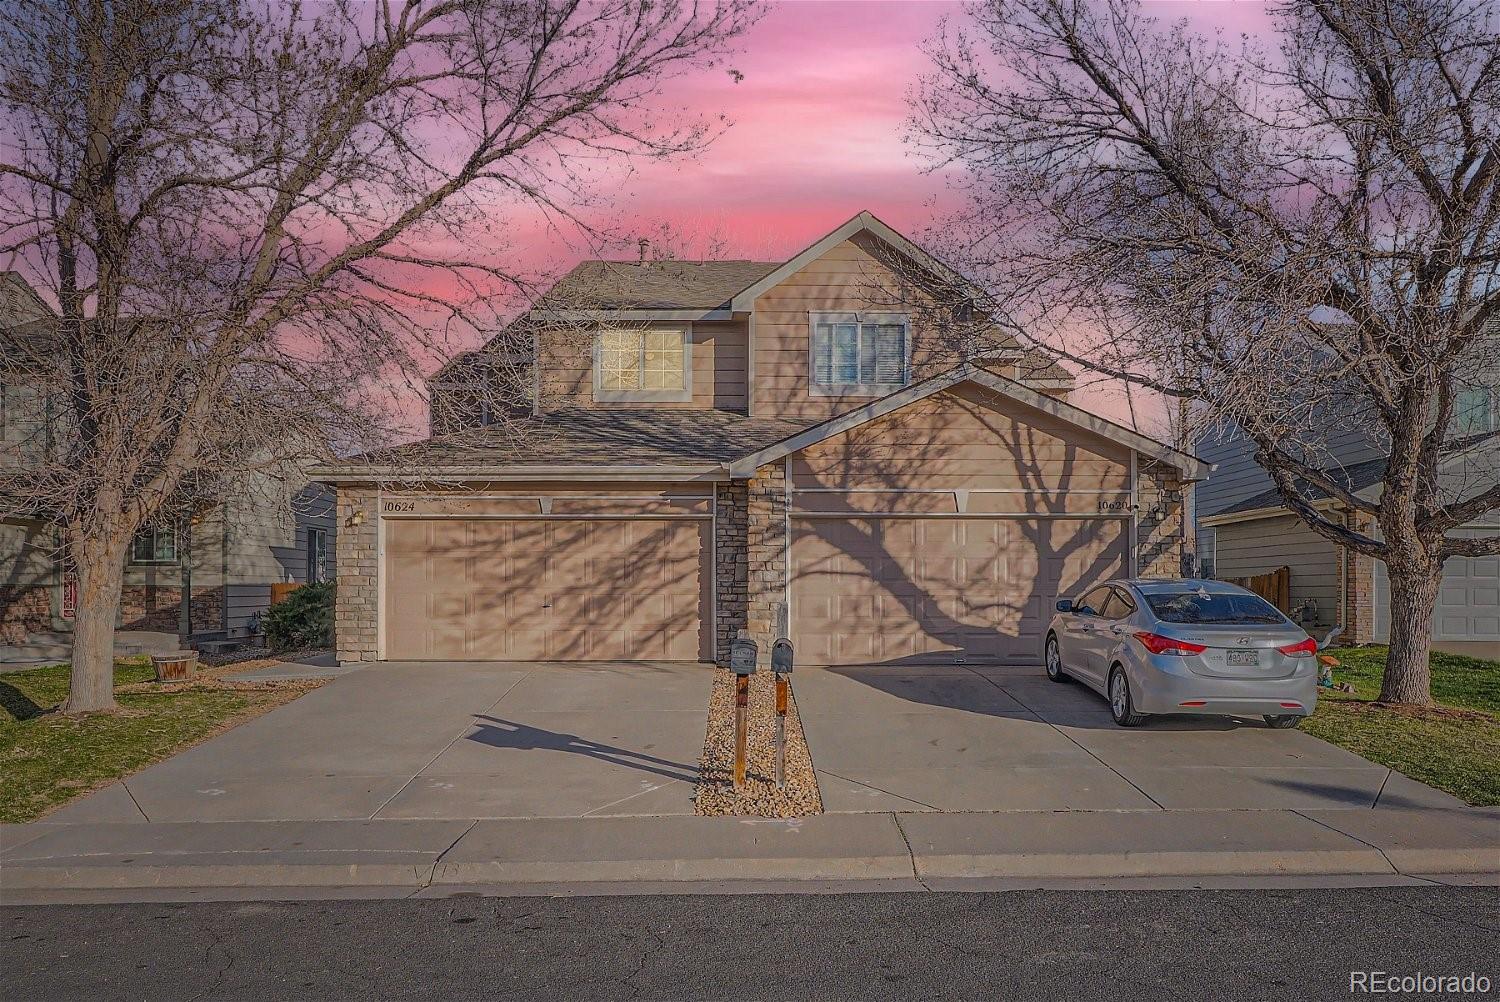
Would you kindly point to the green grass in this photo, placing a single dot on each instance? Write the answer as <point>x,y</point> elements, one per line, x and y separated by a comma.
<point>1456,753</point>
<point>47,758</point>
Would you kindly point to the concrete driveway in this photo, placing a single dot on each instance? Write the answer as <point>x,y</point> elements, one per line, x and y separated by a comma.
<point>441,741</point>
<point>1007,739</point>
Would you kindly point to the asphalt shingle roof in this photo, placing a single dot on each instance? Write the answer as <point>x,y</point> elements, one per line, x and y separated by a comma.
<point>656,285</point>
<point>589,437</point>
<point>1354,479</point>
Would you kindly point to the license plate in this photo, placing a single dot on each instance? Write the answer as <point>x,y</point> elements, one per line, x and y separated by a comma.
<point>1242,659</point>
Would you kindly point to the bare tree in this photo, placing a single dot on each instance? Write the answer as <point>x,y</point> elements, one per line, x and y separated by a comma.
<point>255,217</point>
<point>1303,243</point>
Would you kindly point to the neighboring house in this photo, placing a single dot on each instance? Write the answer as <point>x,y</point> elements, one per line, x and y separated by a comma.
<point>1244,529</point>
<point>207,577</point>
<point>777,447</point>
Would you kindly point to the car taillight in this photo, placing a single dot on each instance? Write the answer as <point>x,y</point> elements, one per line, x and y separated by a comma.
<point>1306,649</point>
<point>1158,644</point>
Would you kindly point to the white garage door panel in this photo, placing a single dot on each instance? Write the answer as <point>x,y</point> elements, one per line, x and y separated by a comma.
<point>1468,602</point>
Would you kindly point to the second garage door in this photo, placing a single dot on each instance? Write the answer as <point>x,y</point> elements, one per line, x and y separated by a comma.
<point>891,589</point>
<point>545,589</point>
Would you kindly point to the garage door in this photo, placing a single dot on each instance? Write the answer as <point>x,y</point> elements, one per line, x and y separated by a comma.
<point>1467,619</point>
<point>879,590</point>
<point>545,589</point>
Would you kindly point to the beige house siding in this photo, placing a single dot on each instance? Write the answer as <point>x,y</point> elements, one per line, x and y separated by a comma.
<point>718,365</point>
<point>962,439</point>
<point>1262,545</point>
<point>851,277</point>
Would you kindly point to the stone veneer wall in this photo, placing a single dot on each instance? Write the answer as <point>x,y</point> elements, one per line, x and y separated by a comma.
<point>765,547</point>
<point>1160,527</point>
<point>24,609</point>
<point>207,609</point>
<point>731,565</point>
<point>151,607</point>
<point>354,610</point>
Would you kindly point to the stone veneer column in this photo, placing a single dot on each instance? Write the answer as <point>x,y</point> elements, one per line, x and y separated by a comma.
<point>731,566</point>
<point>1160,529</point>
<point>765,545</point>
<point>354,611</point>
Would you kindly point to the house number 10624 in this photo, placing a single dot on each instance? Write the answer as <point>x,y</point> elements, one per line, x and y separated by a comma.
<point>396,507</point>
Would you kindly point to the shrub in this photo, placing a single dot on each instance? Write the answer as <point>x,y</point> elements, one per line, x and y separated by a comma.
<point>302,619</point>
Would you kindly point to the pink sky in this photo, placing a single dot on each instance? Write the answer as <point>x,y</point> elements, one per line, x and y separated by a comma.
<point>817,134</point>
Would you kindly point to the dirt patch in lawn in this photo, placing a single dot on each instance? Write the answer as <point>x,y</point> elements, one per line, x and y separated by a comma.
<point>760,797</point>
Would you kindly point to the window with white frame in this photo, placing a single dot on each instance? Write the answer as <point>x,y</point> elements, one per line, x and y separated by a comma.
<point>859,353</point>
<point>643,365</point>
<point>154,545</point>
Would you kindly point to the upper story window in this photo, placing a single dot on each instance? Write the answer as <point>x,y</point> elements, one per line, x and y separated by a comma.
<point>644,365</point>
<point>1476,410</point>
<point>154,545</point>
<point>859,354</point>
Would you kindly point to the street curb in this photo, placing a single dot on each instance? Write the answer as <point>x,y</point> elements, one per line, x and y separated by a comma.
<point>182,875</point>
<point>1051,866</point>
<point>1028,866</point>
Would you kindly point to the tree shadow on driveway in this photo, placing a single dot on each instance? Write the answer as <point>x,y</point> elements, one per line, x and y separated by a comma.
<point>498,733</point>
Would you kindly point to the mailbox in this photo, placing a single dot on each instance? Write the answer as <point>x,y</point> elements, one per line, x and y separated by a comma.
<point>743,654</point>
<point>781,656</point>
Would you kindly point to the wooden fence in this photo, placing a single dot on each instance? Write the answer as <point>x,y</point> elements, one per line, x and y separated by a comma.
<point>1273,586</point>
<point>281,589</point>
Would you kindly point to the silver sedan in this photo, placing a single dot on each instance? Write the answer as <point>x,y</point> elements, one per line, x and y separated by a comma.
<point>1184,646</point>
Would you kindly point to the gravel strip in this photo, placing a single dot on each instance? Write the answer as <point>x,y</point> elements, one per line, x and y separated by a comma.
<point>760,798</point>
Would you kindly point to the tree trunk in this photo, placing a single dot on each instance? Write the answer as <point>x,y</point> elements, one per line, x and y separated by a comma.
<point>101,573</point>
<point>1414,595</point>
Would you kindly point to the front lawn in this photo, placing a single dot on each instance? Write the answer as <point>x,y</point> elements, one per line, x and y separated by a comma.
<point>47,758</point>
<point>1454,746</point>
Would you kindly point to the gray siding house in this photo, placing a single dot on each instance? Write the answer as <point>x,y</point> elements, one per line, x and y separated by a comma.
<point>1243,529</point>
<point>206,576</point>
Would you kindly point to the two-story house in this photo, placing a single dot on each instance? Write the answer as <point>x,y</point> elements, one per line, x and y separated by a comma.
<point>206,576</point>
<point>797,448</point>
<point>1244,529</point>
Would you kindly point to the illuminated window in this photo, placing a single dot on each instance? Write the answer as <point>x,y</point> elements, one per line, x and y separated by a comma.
<point>643,365</point>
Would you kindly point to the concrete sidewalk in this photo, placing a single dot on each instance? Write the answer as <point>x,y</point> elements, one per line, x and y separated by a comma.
<point>907,849</point>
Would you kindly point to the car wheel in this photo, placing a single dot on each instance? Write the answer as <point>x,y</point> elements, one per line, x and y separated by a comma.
<point>1121,705</point>
<point>1054,661</point>
<point>1282,721</point>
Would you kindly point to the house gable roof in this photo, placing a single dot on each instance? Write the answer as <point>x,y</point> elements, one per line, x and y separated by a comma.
<point>1191,467</point>
<point>864,222</point>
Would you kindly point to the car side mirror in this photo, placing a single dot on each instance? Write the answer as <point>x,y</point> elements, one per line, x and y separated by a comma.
<point>1065,605</point>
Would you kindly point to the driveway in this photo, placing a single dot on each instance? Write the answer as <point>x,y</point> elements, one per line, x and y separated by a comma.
<point>1007,739</point>
<point>441,741</point>
<point>466,741</point>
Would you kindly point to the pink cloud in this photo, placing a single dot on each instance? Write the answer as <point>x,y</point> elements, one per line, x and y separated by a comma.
<point>817,135</point>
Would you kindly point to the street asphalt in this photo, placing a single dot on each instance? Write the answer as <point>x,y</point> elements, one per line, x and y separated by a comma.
<point>1119,945</point>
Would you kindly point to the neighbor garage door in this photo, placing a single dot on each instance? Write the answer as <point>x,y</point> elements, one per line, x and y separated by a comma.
<point>871,590</point>
<point>545,589</point>
<point>1467,619</point>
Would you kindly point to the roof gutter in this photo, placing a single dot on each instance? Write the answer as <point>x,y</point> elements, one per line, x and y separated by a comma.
<point>1257,514</point>
<point>504,474</point>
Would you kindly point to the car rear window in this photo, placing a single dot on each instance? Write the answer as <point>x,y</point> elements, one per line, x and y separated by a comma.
<point>1212,607</point>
